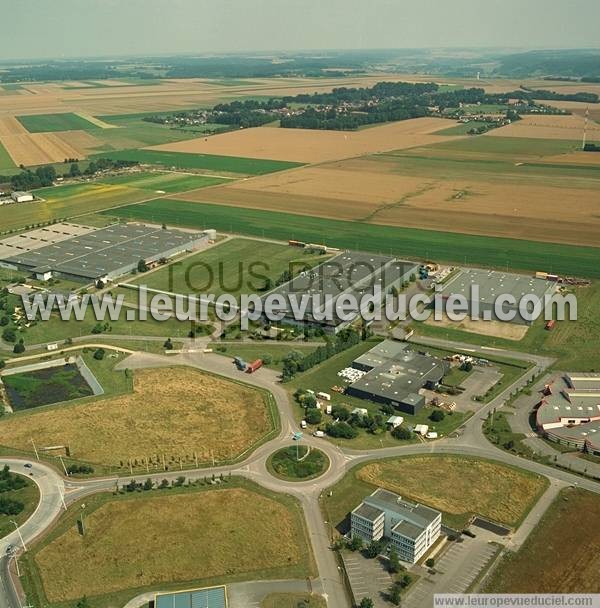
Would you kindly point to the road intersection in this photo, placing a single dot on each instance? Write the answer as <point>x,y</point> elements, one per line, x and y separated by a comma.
<point>469,440</point>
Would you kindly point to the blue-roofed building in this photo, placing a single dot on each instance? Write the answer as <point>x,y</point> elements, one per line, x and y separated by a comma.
<point>210,597</point>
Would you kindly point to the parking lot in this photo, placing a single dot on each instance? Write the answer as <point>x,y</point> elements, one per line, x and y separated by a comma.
<point>456,570</point>
<point>368,578</point>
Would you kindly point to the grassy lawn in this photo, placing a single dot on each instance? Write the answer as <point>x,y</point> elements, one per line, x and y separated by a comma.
<point>29,496</point>
<point>235,266</point>
<point>560,555</point>
<point>458,486</point>
<point>294,464</point>
<point>43,123</point>
<point>210,162</point>
<point>573,343</point>
<point>136,542</point>
<point>6,162</point>
<point>441,246</point>
<point>324,376</point>
<point>174,417</point>
<point>293,600</point>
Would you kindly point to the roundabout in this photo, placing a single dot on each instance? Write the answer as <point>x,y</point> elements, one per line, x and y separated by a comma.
<point>298,463</point>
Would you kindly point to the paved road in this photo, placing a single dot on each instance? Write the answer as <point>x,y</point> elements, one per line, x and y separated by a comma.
<point>470,441</point>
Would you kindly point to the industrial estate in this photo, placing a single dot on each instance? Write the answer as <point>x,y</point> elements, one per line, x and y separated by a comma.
<point>342,461</point>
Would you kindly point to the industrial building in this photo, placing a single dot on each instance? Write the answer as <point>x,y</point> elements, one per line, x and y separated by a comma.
<point>490,284</point>
<point>569,412</point>
<point>395,374</point>
<point>21,197</point>
<point>348,273</point>
<point>86,254</point>
<point>411,528</point>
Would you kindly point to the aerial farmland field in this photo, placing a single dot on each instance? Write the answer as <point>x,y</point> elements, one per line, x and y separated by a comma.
<point>44,123</point>
<point>210,162</point>
<point>412,243</point>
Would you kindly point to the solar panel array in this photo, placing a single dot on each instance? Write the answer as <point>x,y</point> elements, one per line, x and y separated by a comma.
<point>214,597</point>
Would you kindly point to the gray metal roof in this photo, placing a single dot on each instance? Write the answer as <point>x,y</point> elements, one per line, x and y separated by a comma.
<point>405,528</point>
<point>101,252</point>
<point>368,512</point>
<point>492,283</point>
<point>352,272</point>
<point>214,597</point>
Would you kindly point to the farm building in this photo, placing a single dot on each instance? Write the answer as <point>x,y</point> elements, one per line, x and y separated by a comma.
<point>411,528</point>
<point>21,197</point>
<point>210,597</point>
<point>87,254</point>
<point>481,288</point>
<point>349,273</point>
<point>570,412</point>
<point>395,375</point>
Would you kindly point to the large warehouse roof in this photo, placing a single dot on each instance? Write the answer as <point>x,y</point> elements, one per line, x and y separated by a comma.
<point>99,253</point>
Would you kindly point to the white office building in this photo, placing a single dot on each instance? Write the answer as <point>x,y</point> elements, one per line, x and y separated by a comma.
<point>411,528</point>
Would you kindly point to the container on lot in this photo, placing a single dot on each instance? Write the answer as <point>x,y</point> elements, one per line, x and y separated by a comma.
<point>319,434</point>
<point>329,409</point>
<point>324,396</point>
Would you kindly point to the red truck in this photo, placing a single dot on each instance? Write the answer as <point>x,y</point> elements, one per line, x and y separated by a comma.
<point>252,367</point>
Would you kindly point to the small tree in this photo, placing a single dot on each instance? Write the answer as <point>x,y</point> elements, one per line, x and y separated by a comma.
<point>395,595</point>
<point>355,544</point>
<point>19,347</point>
<point>168,345</point>
<point>373,549</point>
<point>430,563</point>
<point>437,415</point>
<point>142,266</point>
<point>99,354</point>
<point>394,563</point>
<point>148,485</point>
<point>401,433</point>
<point>2,363</point>
<point>366,602</point>
<point>313,416</point>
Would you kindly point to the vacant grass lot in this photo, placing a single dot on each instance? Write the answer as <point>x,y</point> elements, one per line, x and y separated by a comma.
<point>412,243</point>
<point>44,123</point>
<point>562,554</point>
<point>458,486</point>
<point>172,538</point>
<point>210,162</point>
<point>166,182</point>
<point>29,496</point>
<point>175,413</point>
<point>235,266</point>
<point>6,162</point>
<point>293,600</point>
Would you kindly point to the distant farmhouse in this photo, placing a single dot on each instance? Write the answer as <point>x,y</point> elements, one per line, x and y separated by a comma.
<point>87,254</point>
<point>395,375</point>
<point>491,284</point>
<point>411,528</point>
<point>348,273</point>
<point>570,412</point>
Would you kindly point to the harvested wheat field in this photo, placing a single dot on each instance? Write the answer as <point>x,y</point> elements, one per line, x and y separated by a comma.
<point>312,146</point>
<point>153,539</point>
<point>39,148</point>
<point>460,485</point>
<point>549,127</point>
<point>9,125</point>
<point>561,555</point>
<point>377,191</point>
<point>175,412</point>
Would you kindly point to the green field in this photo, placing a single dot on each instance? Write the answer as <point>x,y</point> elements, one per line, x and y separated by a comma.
<point>418,244</point>
<point>73,200</point>
<point>210,162</point>
<point>6,162</point>
<point>235,266</point>
<point>44,123</point>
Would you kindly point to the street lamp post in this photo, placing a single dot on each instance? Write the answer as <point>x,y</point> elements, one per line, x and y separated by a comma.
<point>16,525</point>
